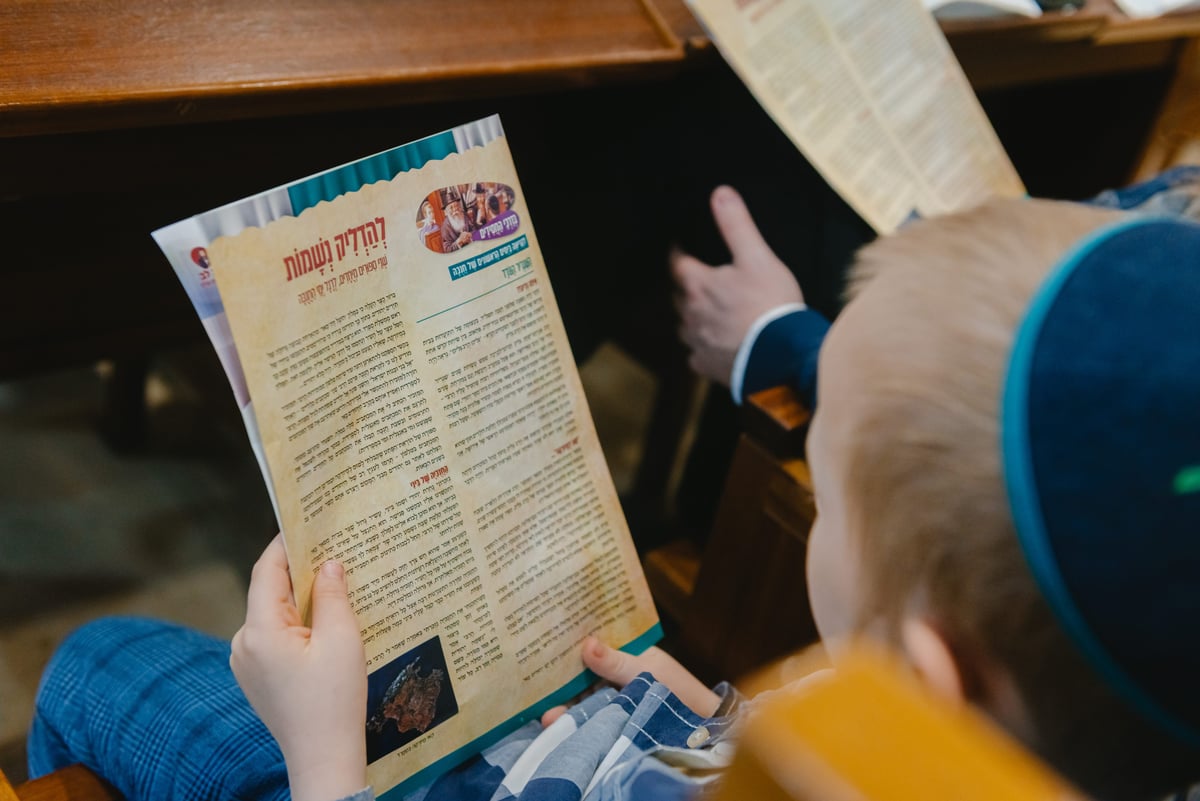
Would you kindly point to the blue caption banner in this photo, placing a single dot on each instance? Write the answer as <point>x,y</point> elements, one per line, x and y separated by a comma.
<point>488,258</point>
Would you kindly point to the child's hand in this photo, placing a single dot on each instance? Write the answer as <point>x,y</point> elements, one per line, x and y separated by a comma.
<point>309,686</point>
<point>717,305</point>
<point>620,668</point>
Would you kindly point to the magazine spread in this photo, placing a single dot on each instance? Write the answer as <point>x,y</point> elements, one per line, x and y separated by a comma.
<point>394,343</point>
<point>872,95</point>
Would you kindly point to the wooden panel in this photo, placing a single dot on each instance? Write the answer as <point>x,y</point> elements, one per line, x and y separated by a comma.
<point>1125,29</point>
<point>73,65</point>
<point>777,420</point>
<point>679,18</point>
<point>1051,27</point>
<point>1175,136</point>
<point>72,783</point>
<point>872,732</point>
<point>750,602</point>
<point>744,600</point>
<point>7,793</point>
<point>1097,40</point>
<point>671,573</point>
<point>990,66</point>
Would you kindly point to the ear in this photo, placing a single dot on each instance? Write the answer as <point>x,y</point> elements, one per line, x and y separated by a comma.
<point>931,657</point>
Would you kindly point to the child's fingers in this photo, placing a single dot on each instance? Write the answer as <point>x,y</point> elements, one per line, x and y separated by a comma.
<point>610,664</point>
<point>552,714</point>
<point>270,592</point>
<point>331,610</point>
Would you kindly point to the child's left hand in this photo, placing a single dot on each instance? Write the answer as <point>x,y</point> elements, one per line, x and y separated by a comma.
<point>619,668</point>
<point>309,685</point>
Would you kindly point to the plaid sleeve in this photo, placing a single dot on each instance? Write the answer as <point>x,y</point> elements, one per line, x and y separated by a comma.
<point>154,709</point>
<point>365,794</point>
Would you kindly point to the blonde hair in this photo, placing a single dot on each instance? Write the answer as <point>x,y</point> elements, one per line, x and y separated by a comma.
<point>930,513</point>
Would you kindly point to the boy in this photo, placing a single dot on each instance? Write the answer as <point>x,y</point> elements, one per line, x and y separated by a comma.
<point>1056,626</point>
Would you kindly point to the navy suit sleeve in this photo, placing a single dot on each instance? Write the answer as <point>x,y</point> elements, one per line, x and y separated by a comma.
<point>785,352</point>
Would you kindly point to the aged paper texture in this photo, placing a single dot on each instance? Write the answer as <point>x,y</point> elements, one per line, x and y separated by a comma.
<point>423,422</point>
<point>872,95</point>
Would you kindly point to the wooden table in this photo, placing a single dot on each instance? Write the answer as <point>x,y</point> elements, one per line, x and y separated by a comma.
<point>72,66</point>
<point>1096,40</point>
<point>119,117</point>
<point>1094,43</point>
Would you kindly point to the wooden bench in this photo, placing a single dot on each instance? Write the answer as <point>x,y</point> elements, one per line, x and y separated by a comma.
<point>72,783</point>
<point>741,600</point>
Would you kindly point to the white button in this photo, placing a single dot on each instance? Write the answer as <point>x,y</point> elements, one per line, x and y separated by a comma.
<point>698,737</point>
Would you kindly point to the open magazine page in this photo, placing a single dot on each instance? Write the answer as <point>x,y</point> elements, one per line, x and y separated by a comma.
<point>872,95</point>
<point>423,422</point>
<point>185,243</point>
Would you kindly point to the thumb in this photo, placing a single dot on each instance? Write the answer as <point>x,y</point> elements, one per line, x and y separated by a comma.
<point>330,603</point>
<point>609,664</point>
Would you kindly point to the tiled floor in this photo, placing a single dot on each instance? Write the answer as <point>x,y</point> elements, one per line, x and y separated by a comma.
<point>171,531</point>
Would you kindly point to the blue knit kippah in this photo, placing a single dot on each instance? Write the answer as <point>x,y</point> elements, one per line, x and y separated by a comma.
<point>1100,429</point>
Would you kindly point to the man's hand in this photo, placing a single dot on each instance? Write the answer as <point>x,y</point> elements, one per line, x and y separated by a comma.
<point>619,668</point>
<point>717,305</point>
<point>309,686</point>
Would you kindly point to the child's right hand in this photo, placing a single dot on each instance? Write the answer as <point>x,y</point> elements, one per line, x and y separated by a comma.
<point>620,668</point>
<point>309,685</point>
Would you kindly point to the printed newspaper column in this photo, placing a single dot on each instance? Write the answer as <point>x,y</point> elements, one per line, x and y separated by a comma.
<point>424,423</point>
<point>872,95</point>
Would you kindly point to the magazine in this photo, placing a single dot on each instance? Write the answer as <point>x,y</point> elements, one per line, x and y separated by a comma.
<point>393,341</point>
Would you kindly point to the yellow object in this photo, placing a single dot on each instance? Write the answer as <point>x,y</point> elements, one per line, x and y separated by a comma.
<point>870,731</point>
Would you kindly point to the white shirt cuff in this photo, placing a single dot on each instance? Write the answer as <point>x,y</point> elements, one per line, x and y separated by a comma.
<point>738,374</point>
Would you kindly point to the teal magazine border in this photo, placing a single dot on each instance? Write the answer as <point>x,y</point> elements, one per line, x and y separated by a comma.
<point>380,167</point>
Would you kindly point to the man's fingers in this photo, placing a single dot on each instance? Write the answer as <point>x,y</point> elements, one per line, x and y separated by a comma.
<point>699,289</point>
<point>270,585</point>
<point>687,271</point>
<point>737,227</point>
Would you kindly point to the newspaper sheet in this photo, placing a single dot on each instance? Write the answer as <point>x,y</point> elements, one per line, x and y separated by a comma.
<point>872,95</point>
<point>1155,8</point>
<point>419,416</point>
<point>982,9</point>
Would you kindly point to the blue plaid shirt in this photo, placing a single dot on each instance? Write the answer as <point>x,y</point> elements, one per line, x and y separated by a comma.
<point>639,743</point>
